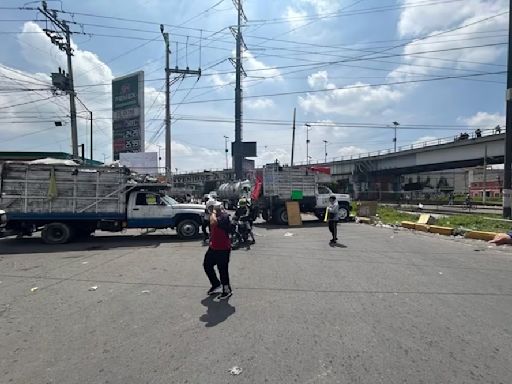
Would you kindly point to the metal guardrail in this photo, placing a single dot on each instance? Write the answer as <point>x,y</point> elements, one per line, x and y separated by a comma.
<point>381,152</point>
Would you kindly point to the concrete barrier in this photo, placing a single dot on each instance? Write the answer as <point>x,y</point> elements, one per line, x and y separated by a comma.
<point>408,224</point>
<point>365,220</point>
<point>446,231</point>
<point>480,235</point>
<point>422,227</point>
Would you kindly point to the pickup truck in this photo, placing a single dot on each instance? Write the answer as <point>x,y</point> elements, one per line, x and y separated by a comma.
<point>68,202</point>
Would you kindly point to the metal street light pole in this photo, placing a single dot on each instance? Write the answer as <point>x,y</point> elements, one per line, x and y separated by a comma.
<point>226,140</point>
<point>396,124</point>
<point>325,150</point>
<point>308,128</point>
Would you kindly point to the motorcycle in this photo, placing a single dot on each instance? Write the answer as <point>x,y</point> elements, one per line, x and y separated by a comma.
<point>241,230</point>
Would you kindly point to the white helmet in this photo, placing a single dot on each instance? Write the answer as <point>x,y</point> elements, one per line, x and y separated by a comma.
<point>211,203</point>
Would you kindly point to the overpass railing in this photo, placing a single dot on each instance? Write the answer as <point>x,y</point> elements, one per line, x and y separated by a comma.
<point>423,144</point>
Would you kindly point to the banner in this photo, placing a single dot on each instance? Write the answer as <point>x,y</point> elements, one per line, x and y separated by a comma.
<point>128,114</point>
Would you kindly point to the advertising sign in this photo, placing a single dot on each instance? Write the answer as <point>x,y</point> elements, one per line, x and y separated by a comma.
<point>128,114</point>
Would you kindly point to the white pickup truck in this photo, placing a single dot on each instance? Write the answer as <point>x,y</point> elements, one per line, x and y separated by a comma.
<point>67,202</point>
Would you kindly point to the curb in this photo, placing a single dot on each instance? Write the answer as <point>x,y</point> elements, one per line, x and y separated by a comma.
<point>446,231</point>
<point>422,227</point>
<point>408,224</point>
<point>480,235</point>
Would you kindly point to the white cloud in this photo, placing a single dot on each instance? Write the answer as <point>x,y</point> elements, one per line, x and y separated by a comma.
<point>424,139</point>
<point>257,68</point>
<point>295,17</point>
<point>324,6</point>
<point>435,19</point>
<point>259,104</point>
<point>350,151</point>
<point>356,100</point>
<point>318,80</point>
<point>484,120</point>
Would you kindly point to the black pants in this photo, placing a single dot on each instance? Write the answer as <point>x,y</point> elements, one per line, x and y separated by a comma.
<point>220,259</point>
<point>204,226</point>
<point>333,228</point>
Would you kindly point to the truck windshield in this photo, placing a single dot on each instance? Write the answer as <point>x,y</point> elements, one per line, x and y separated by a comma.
<point>168,200</point>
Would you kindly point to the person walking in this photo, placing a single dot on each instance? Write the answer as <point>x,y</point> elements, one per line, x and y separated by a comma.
<point>333,218</point>
<point>218,253</point>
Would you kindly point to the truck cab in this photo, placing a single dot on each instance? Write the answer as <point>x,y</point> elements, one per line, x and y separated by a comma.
<point>148,209</point>
<point>322,201</point>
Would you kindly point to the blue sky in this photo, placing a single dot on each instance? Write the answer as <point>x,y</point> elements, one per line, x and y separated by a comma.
<point>293,48</point>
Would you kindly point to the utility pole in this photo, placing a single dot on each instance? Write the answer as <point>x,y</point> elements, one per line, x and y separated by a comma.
<point>90,115</point>
<point>293,135</point>
<point>238,155</point>
<point>168,71</point>
<point>308,127</point>
<point>325,150</point>
<point>484,197</point>
<point>507,181</point>
<point>226,140</point>
<point>62,82</point>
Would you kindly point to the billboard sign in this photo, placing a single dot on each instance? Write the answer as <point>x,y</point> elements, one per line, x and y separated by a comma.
<point>128,114</point>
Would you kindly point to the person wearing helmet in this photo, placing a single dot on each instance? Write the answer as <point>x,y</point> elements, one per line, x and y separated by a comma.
<point>218,253</point>
<point>333,218</point>
<point>243,212</point>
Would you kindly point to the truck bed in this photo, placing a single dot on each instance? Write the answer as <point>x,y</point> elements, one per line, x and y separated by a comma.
<point>88,192</point>
<point>281,181</point>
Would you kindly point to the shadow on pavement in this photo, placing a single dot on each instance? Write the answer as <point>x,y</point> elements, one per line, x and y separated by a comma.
<point>305,224</point>
<point>93,243</point>
<point>216,311</point>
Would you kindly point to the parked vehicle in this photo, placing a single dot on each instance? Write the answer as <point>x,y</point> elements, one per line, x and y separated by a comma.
<point>281,184</point>
<point>230,193</point>
<point>66,202</point>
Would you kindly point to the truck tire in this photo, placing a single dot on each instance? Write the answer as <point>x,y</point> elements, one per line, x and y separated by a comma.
<point>343,213</point>
<point>187,229</point>
<point>56,233</point>
<point>264,214</point>
<point>281,216</point>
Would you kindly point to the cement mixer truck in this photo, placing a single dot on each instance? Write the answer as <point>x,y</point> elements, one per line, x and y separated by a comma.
<point>230,193</point>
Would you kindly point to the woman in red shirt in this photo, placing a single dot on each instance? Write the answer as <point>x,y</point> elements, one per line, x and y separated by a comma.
<point>218,253</point>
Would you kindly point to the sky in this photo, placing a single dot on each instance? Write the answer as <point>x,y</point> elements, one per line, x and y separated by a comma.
<point>350,68</point>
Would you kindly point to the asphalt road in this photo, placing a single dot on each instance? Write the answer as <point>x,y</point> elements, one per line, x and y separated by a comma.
<point>385,308</point>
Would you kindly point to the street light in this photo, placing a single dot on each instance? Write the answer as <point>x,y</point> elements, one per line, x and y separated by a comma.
<point>308,128</point>
<point>396,124</point>
<point>325,150</point>
<point>226,139</point>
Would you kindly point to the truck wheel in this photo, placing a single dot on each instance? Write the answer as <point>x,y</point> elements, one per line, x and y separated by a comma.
<point>56,233</point>
<point>343,213</point>
<point>281,216</point>
<point>187,229</point>
<point>264,214</point>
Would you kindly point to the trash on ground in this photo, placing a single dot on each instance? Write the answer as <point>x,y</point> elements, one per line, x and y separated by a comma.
<point>145,291</point>
<point>85,262</point>
<point>235,371</point>
<point>440,273</point>
<point>93,288</point>
<point>288,234</point>
<point>33,289</point>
